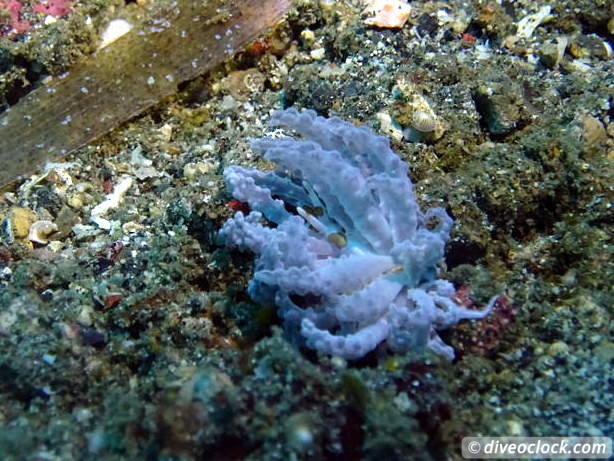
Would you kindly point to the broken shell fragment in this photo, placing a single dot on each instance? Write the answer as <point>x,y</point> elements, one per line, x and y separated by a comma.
<point>41,230</point>
<point>389,14</point>
<point>115,29</point>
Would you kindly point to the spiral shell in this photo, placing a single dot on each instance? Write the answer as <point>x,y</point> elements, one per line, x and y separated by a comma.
<point>424,121</point>
<point>41,230</point>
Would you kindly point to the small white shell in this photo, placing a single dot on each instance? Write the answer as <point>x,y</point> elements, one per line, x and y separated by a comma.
<point>115,29</point>
<point>41,230</point>
<point>424,121</point>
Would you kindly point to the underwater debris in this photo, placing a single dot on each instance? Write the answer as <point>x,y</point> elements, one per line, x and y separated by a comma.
<point>388,14</point>
<point>380,285</point>
<point>527,25</point>
<point>111,201</point>
<point>98,94</point>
